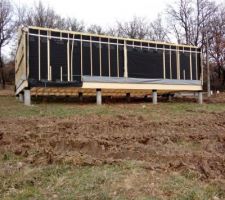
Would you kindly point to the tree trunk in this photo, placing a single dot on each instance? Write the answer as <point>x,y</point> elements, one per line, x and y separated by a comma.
<point>223,78</point>
<point>3,78</point>
<point>2,71</point>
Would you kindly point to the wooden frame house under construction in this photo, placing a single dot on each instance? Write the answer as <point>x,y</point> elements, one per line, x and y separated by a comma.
<point>58,62</point>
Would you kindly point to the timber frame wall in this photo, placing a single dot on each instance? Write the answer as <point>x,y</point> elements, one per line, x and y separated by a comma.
<point>56,58</point>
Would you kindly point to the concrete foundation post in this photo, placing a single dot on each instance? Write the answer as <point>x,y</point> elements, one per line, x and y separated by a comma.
<point>99,97</point>
<point>154,96</point>
<point>200,97</point>
<point>27,97</point>
<point>170,97</point>
<point>80,96</point>
<point>21,97</point>
<point>128,97</point>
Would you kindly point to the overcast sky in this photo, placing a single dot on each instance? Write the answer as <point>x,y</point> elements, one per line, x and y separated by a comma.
<point>103,12</point>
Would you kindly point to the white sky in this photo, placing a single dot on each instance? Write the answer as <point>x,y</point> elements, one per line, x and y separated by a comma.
<point>103,12</point>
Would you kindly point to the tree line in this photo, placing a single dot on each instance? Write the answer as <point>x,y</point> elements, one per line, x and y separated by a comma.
<point>192,22</point>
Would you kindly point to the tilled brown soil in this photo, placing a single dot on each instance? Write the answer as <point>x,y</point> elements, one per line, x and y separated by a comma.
<point>174,144</point>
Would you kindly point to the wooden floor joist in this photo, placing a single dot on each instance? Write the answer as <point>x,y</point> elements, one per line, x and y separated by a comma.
<point>36,91</point>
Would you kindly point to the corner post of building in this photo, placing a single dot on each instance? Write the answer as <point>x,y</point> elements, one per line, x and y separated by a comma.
<point>99,97</point>
<point>128,97</point>
<point>27,97</point>
<point>80,95</point>
<point>154,96</point>
<point>21,97</point>
<point>200,97</point>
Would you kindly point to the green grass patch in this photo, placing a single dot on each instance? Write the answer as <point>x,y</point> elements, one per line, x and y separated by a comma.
<point>188,187</point>
<point>10,107</point>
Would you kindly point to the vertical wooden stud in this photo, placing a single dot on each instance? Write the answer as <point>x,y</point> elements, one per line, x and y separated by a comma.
<point>191,64</point>
<point>100,55</point>
<point>39,55</point>
<point>61,74</point>
<point>164,63</point>
<point>72,58</point>
<point>196,66</point>
<point>48,52</point>
<point>171,73</point>
<point>118,60</point>
<point>81,55</point>
<point>91,58</point>
<point>68,59</point>
<point>109,62</point>
<point>125,60</point>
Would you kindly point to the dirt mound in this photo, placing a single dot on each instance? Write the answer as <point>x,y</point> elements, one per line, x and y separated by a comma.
<point>8,91</point>
<point>175,144</point>
<point>216,98</point>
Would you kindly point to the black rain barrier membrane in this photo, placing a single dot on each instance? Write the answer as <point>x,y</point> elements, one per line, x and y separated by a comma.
<point>144,63</point>
<point>107,60</point>
<point>96,59</point>
<point>185,66</point>
<point>58,63</point>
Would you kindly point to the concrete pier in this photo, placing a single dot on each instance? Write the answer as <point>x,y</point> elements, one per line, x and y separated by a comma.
<point>80,95</point>
<point>154,97</point>
<point>21,97</point>
<point>128,97</point>
<point>99,97</point>
<point>27,97</point>
<point>200,97</point>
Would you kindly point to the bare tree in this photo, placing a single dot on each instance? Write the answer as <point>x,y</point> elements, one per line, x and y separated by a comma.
<point>73,24</point>
<point>42,16</point>
<point>189,20</point>
<point>6,30</point>
<point>136,28</point>
<point>217,43</point>
<point>95,29</point>
<point>157,30</point>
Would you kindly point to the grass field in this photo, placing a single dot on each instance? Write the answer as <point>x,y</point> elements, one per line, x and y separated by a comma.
<point>171,151</point>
